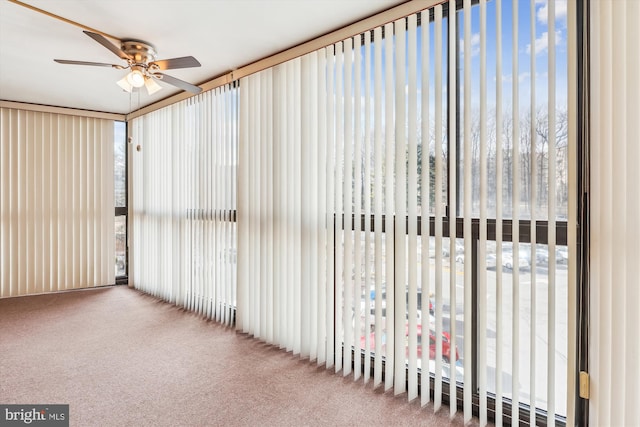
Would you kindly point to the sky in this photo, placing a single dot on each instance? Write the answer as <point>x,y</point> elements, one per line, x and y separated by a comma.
<point>525,43</point>
<point>539,44</point>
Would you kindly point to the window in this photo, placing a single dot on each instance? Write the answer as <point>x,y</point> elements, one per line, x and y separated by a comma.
<point>57,205</point>
<point>120,197</point>
<point>534,194</point>
<point>399,183</point>
<point>183,242</point>
<point>516,193</point>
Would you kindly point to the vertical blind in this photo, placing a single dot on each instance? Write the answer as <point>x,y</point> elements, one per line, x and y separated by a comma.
<point>614,333</point>
<point>285,296</point>
<point>399,197</point>
<point>56,199</point>
<point>184,197</point>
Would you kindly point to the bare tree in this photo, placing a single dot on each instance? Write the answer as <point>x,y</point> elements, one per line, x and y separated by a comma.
<point>561,141</point>
<point>507,164</point>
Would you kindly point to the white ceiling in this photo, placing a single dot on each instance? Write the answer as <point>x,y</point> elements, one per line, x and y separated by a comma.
<point>222,34</point>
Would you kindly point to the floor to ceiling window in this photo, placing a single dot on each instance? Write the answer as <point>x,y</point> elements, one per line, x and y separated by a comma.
<point>403,207</point>
<point>56,199</point>
<point>412,182</point>
<point>183,204</point>
<point>120,198</point>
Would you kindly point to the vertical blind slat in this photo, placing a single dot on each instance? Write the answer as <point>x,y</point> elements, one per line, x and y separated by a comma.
<point>425,195</point>
<point>315,215</point>
<point>278,185</point>
<point>551,305</point>
<point>467,212</point>
<point>439,214</point>
<point>263,212</point>
<point>331,220</point>
<point>453,209</point>
<point>401,208</point>
<point>340,220</point>
<point>305,199</point>
<point>499,171</point>
<point>290,103</point>
<point>515,200</point>
<point>533,228</point>
<point>357,205</point>
<point>297,189</point>
<point>482,242</point>
<point>322,246</point>
<point>412,207</point>
<point>348,206</point>
<point>378,199</point>
<point>368,249</point>
<point>389,331</point>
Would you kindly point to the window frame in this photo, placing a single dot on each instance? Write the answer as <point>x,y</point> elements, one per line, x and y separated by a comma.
<point>123,211</point>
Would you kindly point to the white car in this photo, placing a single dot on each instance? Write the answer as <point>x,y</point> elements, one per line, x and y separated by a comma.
<point>562,255</point>
<point>508,262</point>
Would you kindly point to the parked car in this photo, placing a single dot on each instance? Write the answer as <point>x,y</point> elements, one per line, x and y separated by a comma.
<point>508,262</point>
<point>445,248</point>
<point>384,300</point>
<point>542,256</point>
<point>383,311</point>
<point>446,344</point>
<point>562,255</point>
<point>491,261</point>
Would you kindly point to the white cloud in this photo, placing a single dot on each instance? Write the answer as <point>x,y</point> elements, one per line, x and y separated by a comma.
<point>474,44</point>
<point>522,77</point>
<point>543,12</point>
<point>542,42</point>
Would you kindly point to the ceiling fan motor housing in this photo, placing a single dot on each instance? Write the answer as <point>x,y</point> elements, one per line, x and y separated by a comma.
<point>142,53</point>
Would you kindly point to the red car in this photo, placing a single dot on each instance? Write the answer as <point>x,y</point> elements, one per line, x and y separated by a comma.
<point>446,343</point>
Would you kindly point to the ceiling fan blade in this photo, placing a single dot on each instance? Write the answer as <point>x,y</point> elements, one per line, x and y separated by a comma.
<point>95,64</point>
<point>179,83</point>
<point>173,63</point>
<point>106,43</point>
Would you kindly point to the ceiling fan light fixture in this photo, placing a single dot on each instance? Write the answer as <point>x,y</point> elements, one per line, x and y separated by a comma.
<point>151,85</point>
<point>124,84</point>
<point>136,77</point>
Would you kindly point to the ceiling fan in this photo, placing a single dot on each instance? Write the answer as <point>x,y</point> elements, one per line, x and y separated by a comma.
<point>140,58</point>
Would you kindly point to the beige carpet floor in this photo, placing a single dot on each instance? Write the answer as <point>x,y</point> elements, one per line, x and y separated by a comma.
<point>122,358</point>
